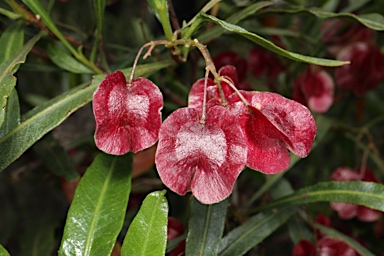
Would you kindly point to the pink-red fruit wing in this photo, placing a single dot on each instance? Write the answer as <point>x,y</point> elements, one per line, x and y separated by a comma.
<point>205,158</point>
<point>128,117</point>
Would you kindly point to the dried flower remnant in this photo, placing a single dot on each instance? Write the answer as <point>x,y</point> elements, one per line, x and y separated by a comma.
<point>314,88</point>
<point>365,71</point>
<point>273,125</point>
<point>349,211</point>
<point>128,116</point>
<point>203,157</point>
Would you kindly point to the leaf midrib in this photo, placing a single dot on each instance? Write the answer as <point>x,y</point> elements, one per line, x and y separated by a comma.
<point>206,227</point>
<point>96,212</point>
<point>143,253</point>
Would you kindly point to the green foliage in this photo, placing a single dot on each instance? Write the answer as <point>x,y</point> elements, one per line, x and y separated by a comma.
<point>53,56</point>
<point>368,194</point>
<point>147,234</point>
<point>97,212</point>
<point>7,68</point>
<point>255,230</point>
<point>206,226</point>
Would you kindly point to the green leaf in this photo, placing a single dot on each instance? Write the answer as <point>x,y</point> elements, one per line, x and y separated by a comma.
<point>233,19</point>
<point>47,116</point>
<point>37,9</point>
<point>160,9</point>
<point>3,252</point>
<point>147,234</point>
<point>7,80</point>
<point>9,14</point>
<point>368,194</point>
<point>373,21</point>
<point>11,41</point>
<point>39,237</point>
<point>11,115</point>
<point>253,231</point>
<point>65,61</point>
<point>271,46</point>
<point>354,5</point>
<point>99,10</point>
<point>97,212</point>
<point>348,240</point>
<point>206,226</point>
<point>56,158</point>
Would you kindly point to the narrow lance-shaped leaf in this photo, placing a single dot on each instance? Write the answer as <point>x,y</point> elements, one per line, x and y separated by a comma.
<point>271,46</point>
<point>233,19</point>
<point>368,194</point>
<point>253,231</point>
<point>7,80</point>
<point>37,8</point>
<point>99,11</point>
<point>35,124</point>
<point>97,212</point>
<point>147,234</point>
<point>206,226</point>
<point>64,60</point>
<point>11,41</point>
<point>373,21</point>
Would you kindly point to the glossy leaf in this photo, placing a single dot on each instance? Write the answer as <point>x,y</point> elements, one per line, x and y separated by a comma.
<point>11,41</point>
<point>3,251</point>
<point>368,194</point>
<point>348,240</point>
<point>65,61</point>
<point>35,124</point>
<point>206,226</point>
<point>7,80</point>
<point>271,46</point>
<point>147,234</point>
<point>56,158</point>
<point>97,212</point>
<point>233,19</point>
<point>253,231</point>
